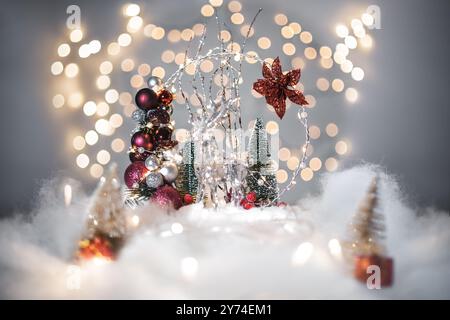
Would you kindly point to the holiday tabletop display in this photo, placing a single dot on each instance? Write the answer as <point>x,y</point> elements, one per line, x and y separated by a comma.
<point>106,224</point>
<point>365,247</point>
<point>220,175</point>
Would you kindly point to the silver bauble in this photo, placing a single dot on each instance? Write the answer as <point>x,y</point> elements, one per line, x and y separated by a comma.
<point>169,171</point>
<point>154,180</point>
<point>152,163</point>
<point>153,82</point>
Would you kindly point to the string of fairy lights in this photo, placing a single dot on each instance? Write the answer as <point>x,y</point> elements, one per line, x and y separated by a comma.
<point>108,113</point>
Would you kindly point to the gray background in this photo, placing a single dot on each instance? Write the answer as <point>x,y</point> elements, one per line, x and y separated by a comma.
<point>400,121</point>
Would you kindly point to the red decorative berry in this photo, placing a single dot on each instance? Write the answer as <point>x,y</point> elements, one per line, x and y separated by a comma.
<point>188,199</point>
<point>281,204</point>
<point>251,197</point>
<point>248,205</point>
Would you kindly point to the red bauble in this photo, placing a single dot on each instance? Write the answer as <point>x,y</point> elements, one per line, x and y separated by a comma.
<point>251,197</point>
<point>188,199</point>
<point>248,205</point>
<point>135,174</point>
<point>163,134</point>
<point>135,155</point>
<point>165,97</point>
<point>158,117</point>
<point>142,139</point>
<point>146,99</point>
<point>167,197</point>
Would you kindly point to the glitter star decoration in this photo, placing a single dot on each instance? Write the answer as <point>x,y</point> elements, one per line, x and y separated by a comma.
<point>276,87</point>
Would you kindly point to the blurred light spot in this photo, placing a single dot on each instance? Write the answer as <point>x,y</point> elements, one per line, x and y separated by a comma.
<point>124,40</point>
<point>322,84</point>
<point>137,81</point>
<point>281,176</point>
<point>302,254</point>
<point>280,19</point>
<point>116,120</point>
<point>311,101</point>
<point>332,130</point>
<point>144,70</point>
<point>75,100</point>
<point>234,6</point>
<point>331,164</point>
<point>63,50</point>
<point>102,109</point>
<point>111,96</point>
<point>82,160</point>
<point>71,70</point>
<point>95,46</point>
<point>189,268</point>
<point>57,68</point>
<point>314,132</point>
<point>91,137</point>
<point>366,41</point>
<point>76,35</point>
<point>325,52</point>
<point>293,163</point>
<point>84,51</point>
<point>326,63</point>
<point>289,49</point>
<point>135,220</point>
<point>296,27</point>
<point>159,72</point>
<point>132,10</point>
<point>174,36</point>
<point>113,49</point>
<point>315,164</point>
<point>335,247</point>
<point>103,127</point>
<point>284,154</point>
<point>306,37</point>
<point>341,148</point>
<point>337,85</point>
<point>350,42</point>
<point>67,195</point>
<point>341,31</point>
<point>272,127</point>
<point>307,174</point>
<point>103,82</point>
<point>287,32</point>
<point>134,24</point>
<point>207,10</point>
<point>244,31</point>
<point>90,108</point>
<point>127,65</point>
<point>117,145</point>
<point>106,67</point>
<point>357,74</point>
<point>367,19</point>
<point>187,34</point>
<point>58,101</point>
<point>96,170</point>
<point>237,18</point>
<point>78,143</point>
<point>103,157</point>
<point>351,95</point>
<point>176,228</point>
<point>148,29</point>
<point>298,63</point>
<point>347,66</point>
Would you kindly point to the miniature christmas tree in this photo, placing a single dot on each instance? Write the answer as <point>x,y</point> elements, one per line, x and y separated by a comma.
<point>187,182</point>
<point>366,248</point>
<point>261,182</point>
<point>106,224</point>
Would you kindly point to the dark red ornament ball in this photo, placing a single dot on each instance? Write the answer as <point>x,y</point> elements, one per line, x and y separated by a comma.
<point>135,174</point>
<point>135,155</point>
<point>165,97</point>
<point>146,99</point>
<point>163,134</point>
<point>167,197</point>
<point>158,117</point>
<point>142,139</point>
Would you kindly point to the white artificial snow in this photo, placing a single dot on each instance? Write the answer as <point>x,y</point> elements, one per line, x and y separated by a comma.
<point>278,253</point>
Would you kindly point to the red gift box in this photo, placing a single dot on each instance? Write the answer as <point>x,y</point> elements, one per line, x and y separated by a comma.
<point>362,272</point>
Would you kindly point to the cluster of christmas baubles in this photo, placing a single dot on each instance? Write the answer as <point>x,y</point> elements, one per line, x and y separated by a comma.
<point>148,168</point>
